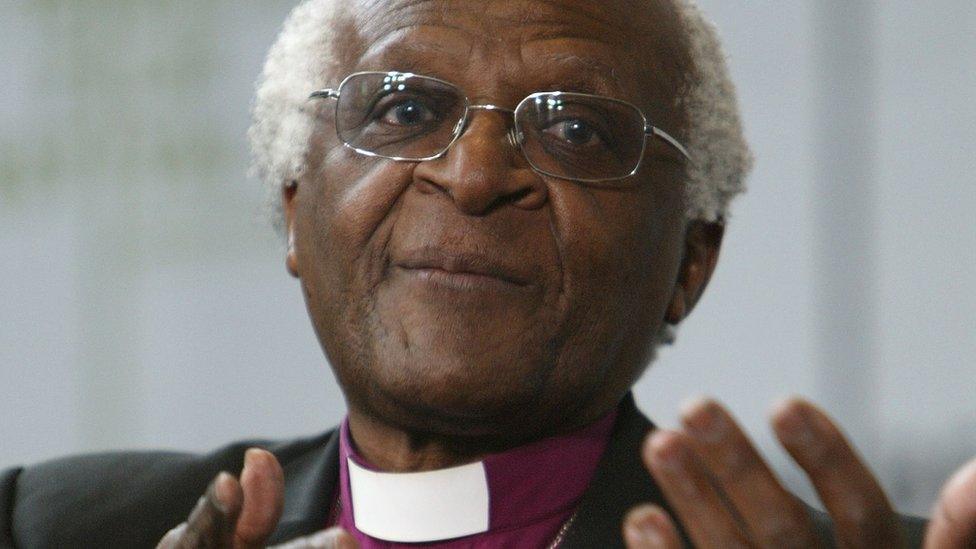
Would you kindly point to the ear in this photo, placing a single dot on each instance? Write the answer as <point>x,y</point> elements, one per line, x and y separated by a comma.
<point>702,243</point>
<point>288,192</point>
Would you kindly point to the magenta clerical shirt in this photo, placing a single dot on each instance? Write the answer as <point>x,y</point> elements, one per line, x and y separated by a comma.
<point>533,490</point>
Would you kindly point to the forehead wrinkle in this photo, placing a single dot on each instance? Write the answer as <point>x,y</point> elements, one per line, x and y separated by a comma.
<point>560,13</point>
<point>585,74</point>
<point>378,21</point>
<point>604,43</point>
<point>412,54</point>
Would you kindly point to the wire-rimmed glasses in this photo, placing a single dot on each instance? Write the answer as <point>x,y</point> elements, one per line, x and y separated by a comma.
<point>412,118</point>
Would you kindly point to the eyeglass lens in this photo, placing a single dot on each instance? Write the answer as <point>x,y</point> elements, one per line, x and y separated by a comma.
<point>574,136</point>
<point>398,116</point>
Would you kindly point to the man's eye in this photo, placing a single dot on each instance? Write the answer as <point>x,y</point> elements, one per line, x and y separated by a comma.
<point>408,112</point>
<point>575,132</point>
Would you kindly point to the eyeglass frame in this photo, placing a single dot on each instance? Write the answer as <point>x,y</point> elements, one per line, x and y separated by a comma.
<point>515,137</point>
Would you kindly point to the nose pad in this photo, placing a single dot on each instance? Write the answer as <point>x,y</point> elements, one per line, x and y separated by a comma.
<point>496,116</point>
<point>461,126</point>
<point>515,138</point>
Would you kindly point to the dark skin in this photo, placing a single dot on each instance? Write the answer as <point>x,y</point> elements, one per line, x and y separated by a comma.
<point>433,374</point>
<point>441,365</point>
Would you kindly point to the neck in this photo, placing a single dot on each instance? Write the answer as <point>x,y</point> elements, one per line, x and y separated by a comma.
<point>395,449</point>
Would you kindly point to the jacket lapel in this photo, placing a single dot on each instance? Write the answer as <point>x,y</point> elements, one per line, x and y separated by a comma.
<point>620,483</point>
<point>311,479</point>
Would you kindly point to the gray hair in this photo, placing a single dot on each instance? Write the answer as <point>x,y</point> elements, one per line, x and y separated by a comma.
<point>282,122</point>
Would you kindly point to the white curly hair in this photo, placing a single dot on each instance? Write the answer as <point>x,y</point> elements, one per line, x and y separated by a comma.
<point>282,123</point>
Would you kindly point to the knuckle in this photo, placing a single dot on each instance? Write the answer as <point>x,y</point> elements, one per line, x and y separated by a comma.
<point>738,542</point>
<point>865,523</point>
<point>785,532</point>
<point>738,463</point>
<point>829,451</point>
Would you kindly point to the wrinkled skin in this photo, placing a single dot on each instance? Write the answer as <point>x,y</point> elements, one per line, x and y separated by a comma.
<point>440,369</point>
<point>598,267</point>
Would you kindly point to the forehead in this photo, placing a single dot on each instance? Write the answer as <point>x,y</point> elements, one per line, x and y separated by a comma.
<point>615,47</point>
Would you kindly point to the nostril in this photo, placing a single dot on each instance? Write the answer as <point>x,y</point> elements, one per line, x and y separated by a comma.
<point>527,197</point>
<point>427,187</point>
<point>516,197</point>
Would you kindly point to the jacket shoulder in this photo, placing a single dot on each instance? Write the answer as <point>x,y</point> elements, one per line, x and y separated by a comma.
<point>912,528</point>
<point>117,499</point>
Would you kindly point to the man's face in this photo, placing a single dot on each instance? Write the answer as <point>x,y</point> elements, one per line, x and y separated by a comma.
<point>469,295</point>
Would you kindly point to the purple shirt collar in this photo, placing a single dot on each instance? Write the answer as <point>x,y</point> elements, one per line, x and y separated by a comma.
<point>533,489</point>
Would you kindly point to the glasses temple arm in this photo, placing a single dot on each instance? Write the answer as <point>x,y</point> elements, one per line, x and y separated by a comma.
<point>661,134</point>
<point>327,93</point>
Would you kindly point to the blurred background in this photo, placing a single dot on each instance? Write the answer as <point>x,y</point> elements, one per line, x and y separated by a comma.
<point>144,301</point>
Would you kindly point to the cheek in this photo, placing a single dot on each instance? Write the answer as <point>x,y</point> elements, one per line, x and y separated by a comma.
<point>344,222</point>
<point>622,251</point>
<point>356,195</point>
<point>620,243</point>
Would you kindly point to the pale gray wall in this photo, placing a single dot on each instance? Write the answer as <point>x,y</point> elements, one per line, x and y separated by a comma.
<point>144,301</point>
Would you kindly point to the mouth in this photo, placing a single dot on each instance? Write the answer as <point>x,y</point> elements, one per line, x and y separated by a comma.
<point>461,271</point>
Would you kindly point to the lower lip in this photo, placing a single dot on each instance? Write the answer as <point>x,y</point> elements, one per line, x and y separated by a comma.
<point>460,281</point>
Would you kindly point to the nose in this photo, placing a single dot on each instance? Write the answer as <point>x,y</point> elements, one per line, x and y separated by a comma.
<point>483,171</point>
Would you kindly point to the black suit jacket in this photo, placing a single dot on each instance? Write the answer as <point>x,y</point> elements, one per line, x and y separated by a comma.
<point>132,499</point>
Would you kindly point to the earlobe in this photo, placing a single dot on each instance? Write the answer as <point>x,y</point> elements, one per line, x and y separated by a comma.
<point>676,309</point>
<point>702,244</point>
<point>291,259</point>
<point>288,192</point>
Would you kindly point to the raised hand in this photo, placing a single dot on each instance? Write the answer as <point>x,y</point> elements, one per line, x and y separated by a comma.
<point>726,495</point>
<point>235,514</point>
<point>242,514</point>
<point>954,515</point>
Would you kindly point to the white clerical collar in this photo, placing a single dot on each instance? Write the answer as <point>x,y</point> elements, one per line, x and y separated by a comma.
<point>418,507</point>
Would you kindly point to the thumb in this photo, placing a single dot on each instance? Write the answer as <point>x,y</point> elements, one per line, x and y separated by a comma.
<point>333,538</point>
<point>263,483</point>
<point>953,522</point>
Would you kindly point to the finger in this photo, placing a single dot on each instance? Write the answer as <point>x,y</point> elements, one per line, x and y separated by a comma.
<point>686,484</point>
<point>333,538</point>
<point>211,523</point>
<point>862,514</point>
<point>172,538</point>
<point>773,516</point>
<point>263,484</point>
<point>649,526</point>
<point>953,523</point>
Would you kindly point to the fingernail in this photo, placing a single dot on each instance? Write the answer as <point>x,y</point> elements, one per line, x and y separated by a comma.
<point>220,491</point>
<point>201,501</point>
<point>667,450</point>
<point>643,534</point>
<point>210,496</point>
<point>249,456</point>
<point>795,425</point>
<point>702,417</point>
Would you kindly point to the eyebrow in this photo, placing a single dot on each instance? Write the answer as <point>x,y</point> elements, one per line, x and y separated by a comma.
<point>410,54</point>
<point>414,51</point>
<point>412,58</point>
<point>587,75</point>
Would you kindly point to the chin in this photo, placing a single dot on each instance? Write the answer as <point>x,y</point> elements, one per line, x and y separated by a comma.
<point>452,359</point>
<point>455,385</point>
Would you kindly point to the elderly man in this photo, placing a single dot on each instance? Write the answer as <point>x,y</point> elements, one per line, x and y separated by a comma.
<point>496,210</point>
